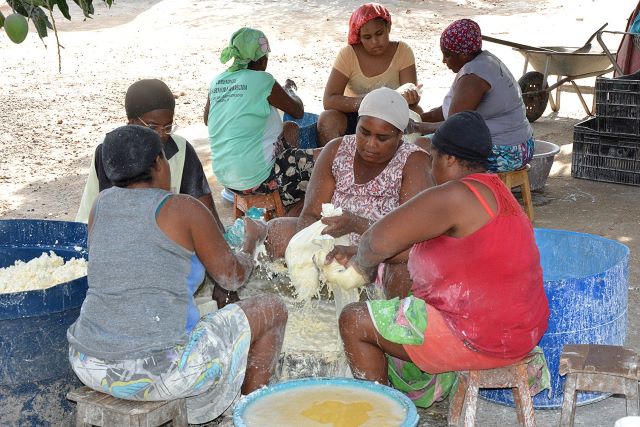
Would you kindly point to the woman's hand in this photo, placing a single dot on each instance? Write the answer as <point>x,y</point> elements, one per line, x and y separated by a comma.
<point>345,256</point>
<point>410,92</point>
<point>254,230</point>
<point>344,224</point>
<point>290,84</point>
<point>341,254</point>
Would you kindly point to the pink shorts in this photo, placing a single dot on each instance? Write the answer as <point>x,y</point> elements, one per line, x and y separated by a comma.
<point>443,351</point>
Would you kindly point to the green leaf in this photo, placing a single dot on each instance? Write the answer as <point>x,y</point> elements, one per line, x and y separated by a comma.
<point>19,7</point>
<point>40,21</point>
<point>62,5</point>
<point>86,6</point>
<point>1,20</point>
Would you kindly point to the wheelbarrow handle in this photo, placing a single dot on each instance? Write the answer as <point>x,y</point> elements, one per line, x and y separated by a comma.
<point>516,45</point>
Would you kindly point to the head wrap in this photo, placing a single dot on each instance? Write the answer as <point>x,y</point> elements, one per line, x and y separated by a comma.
<point>129,151</point>
<point>462,36</point>
<point>246,45</point>
<point>364,14</point>
<point>464,135</point>
<point>148,95</point>
<point>388,105</point>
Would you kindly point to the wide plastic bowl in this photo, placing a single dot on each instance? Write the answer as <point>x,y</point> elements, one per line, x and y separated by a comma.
<point>543,157</point>
<point>411,414</point>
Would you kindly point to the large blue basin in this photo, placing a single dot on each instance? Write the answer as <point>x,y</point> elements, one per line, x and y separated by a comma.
<point>35,374</point>
<point>585,279</point>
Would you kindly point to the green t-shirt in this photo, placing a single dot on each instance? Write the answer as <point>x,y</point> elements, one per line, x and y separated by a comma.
<point>239,114</point>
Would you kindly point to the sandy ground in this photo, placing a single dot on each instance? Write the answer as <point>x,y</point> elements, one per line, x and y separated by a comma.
<point>50,121</point>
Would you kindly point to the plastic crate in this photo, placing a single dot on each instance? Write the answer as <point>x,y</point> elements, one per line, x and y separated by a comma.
<point>618,102</point>
<point>308,136</point>
<point>603,156</point>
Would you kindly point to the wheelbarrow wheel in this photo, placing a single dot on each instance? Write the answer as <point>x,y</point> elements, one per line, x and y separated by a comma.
<point>535,104</point>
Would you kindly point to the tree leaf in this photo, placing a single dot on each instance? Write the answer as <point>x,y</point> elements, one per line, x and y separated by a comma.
<point>1,20</point>
<point>40,21</point>
<point>18,6</point>
<point>86,6</point>
<point>62,5</point>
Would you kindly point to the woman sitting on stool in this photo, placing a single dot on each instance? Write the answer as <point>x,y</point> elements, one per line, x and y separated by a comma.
<point>478,300</point>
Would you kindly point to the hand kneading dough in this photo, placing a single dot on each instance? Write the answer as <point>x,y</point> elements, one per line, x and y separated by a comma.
<point>305,256</point>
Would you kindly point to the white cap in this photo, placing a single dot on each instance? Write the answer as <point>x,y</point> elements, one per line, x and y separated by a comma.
<point>388,105</point>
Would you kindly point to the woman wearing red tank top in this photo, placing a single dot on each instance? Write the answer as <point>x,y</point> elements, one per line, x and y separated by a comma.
<point>478,299</point>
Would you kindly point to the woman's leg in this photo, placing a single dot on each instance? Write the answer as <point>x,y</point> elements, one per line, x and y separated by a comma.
<point>365,348</point>
<point>279,232</point>
<point>267,317</point>
<point>331,124</point>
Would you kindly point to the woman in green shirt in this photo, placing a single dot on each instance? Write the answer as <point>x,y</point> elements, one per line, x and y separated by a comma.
<point>252,151</point>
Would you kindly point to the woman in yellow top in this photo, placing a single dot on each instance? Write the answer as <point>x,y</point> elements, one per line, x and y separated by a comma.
<point>370,61</point>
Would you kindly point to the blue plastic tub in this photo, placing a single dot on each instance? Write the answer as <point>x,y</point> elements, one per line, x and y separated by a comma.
<point>411,418</point>
<point>308,132</point>
<point>35,374</point>
<point>585,279</point>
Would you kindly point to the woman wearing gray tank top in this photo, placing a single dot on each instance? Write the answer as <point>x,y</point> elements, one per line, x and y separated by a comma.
<point>139,335</point>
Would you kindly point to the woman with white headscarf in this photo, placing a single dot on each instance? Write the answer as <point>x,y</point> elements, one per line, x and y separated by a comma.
<point>368,175</point>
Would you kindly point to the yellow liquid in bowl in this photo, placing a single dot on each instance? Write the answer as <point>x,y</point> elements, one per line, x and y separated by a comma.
<point>324,406</point>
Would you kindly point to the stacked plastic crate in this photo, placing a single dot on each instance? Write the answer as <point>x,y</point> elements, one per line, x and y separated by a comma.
<point>607,147</point>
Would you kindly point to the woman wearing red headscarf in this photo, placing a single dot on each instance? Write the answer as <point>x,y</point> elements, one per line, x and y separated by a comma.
<point>370,61</point>
<point>484,84</point>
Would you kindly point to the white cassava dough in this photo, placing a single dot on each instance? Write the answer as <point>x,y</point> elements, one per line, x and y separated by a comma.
<point>311,327</point>
<point>305,257</point>
<point>40,273</point>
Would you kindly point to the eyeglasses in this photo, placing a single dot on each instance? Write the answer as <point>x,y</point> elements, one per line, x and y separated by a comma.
<point>168,129</point>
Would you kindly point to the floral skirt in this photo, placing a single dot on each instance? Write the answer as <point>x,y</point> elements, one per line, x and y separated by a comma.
<point>506,158</point>
<point>208,370</point>
<point>290,175</point>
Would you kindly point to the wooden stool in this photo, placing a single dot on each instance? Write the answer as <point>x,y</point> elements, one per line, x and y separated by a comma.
<point>520,178</point>
<point>592,367</point>
<point>512,376</point>
<point>99,409</point>
<point>270,202</point>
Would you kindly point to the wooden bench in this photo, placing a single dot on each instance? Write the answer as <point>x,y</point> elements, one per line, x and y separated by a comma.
<point>99,409</point>
<point>271,203</point>
<point>512,376</point>
<point>520,178</point>
<point>594,367</point>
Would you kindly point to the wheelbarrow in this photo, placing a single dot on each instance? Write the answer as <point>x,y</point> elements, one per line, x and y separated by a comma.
<point>566,63</point>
